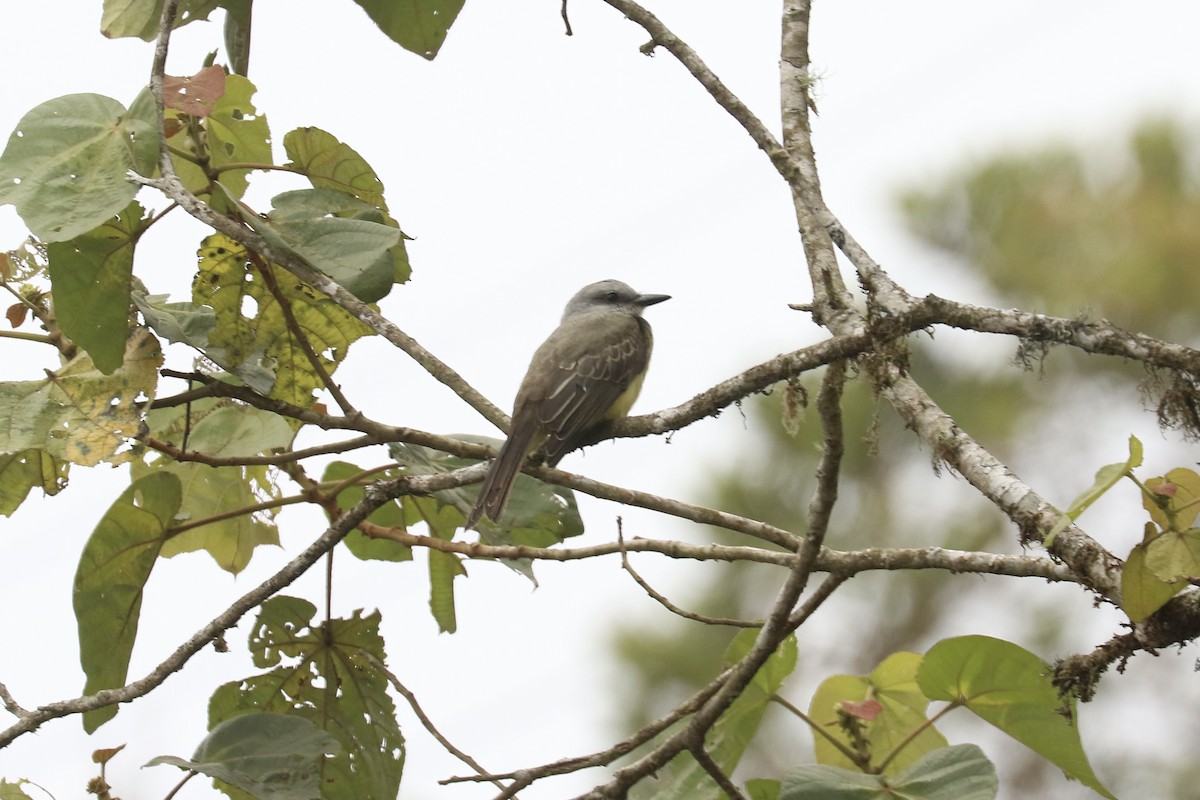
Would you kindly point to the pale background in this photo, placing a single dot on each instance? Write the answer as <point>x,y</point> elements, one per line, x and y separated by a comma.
<point>526,164</point>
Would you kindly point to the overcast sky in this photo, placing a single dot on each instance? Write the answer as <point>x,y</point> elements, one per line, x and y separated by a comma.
<point>527,164</point>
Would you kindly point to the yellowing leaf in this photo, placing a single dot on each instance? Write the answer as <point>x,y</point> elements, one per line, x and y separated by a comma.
<point>1173,555</point>
<point>1179,489</point>
<point>20,472</point>
<point>252,338</point>
<point>78,414</point>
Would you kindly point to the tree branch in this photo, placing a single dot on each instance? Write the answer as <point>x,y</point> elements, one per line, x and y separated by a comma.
<point>34,719</point>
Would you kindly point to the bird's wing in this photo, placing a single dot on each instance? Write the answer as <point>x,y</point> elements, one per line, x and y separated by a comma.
<point>594,374</point>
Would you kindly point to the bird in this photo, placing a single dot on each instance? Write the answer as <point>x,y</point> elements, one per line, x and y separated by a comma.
<point>585,375</point>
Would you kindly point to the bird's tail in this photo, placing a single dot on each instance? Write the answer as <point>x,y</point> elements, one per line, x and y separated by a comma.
<point>493,495</point>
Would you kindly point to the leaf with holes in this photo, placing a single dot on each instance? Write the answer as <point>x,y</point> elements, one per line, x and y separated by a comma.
<point>419,26</point>
<point>65,165</point>
<point>78,414</point>
<point>20,472</point>
<point>140,18</point>
<point>328,673</point>
<point>233,132</point>
<point>252,338</point>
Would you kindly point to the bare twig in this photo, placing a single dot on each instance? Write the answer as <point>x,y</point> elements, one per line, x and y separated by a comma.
<point>10,704</point>
<point>666,603</point>
<point>843,564</point>
<point>425,721</point>
<point>276,459</point>
<point>716,773</point>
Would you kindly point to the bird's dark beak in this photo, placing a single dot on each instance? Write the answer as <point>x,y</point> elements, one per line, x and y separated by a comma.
<point>650,299</point>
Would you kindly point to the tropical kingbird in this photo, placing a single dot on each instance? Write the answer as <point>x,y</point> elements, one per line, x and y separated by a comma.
<point>585,375</point>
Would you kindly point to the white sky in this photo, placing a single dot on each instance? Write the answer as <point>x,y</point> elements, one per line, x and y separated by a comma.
<point>527,164</point>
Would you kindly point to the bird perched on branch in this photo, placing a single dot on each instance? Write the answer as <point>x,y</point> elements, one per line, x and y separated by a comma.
<point>587,374</point>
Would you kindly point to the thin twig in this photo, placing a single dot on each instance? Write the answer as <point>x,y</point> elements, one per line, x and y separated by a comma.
<point>716,773</point>
<point>842,564</point>
<point>666,603</point>
<point>275,459</point>
<point>297,332</point>
<point>525,777</point>
<point>10,704</point>
<point>425,721</point>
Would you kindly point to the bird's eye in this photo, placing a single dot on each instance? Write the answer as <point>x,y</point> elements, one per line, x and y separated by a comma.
<point>611,297</point>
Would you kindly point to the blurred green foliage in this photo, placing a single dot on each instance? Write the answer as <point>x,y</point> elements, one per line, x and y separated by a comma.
<point>1059,230</point>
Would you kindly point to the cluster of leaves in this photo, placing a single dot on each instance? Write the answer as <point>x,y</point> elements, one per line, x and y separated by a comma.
<point>1167,559</point>
<point>66,169</point>
<point>320,705</point>
<point>872,733</point>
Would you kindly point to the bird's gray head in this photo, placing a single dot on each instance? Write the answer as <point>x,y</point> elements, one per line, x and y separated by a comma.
<point>610,295</point>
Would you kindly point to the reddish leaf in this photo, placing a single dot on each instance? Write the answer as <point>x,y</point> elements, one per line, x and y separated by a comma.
<point>195,95</point>
<point>105,755</point>
<point>16,314</point>
<point>863,709</point>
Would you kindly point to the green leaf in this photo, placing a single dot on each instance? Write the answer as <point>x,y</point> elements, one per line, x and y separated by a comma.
<point>1143,592</point>
<point>336,233</point>
<point>186,323</point>
<point>90,278</point>
<point>727,740</point>
<point>1009,687</point>
<point>1173,555</point>
<point>894,685</point>
<point>1179,490</point>
<point>538,515</point>
<point>221,428</point>
<point>418,26</point>
<point>233,133</point>
<point>1106,478</point>
<point>270,756</point>
<point>13,791</point>
<point>209,491</point>
<point>239,431</point>
<point>330,164</point>
<point>20,472</point>
<point>763,789</point>
<point>252,338</point>
<point>140,18</point>
<point>329,674</point>
<point>78,414</point>
<point>443,569</point>
<point>113,570</point>
<point>961,772</point>
<point>389,515</point>
<point>65,165</point>
<point>443,522</point>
